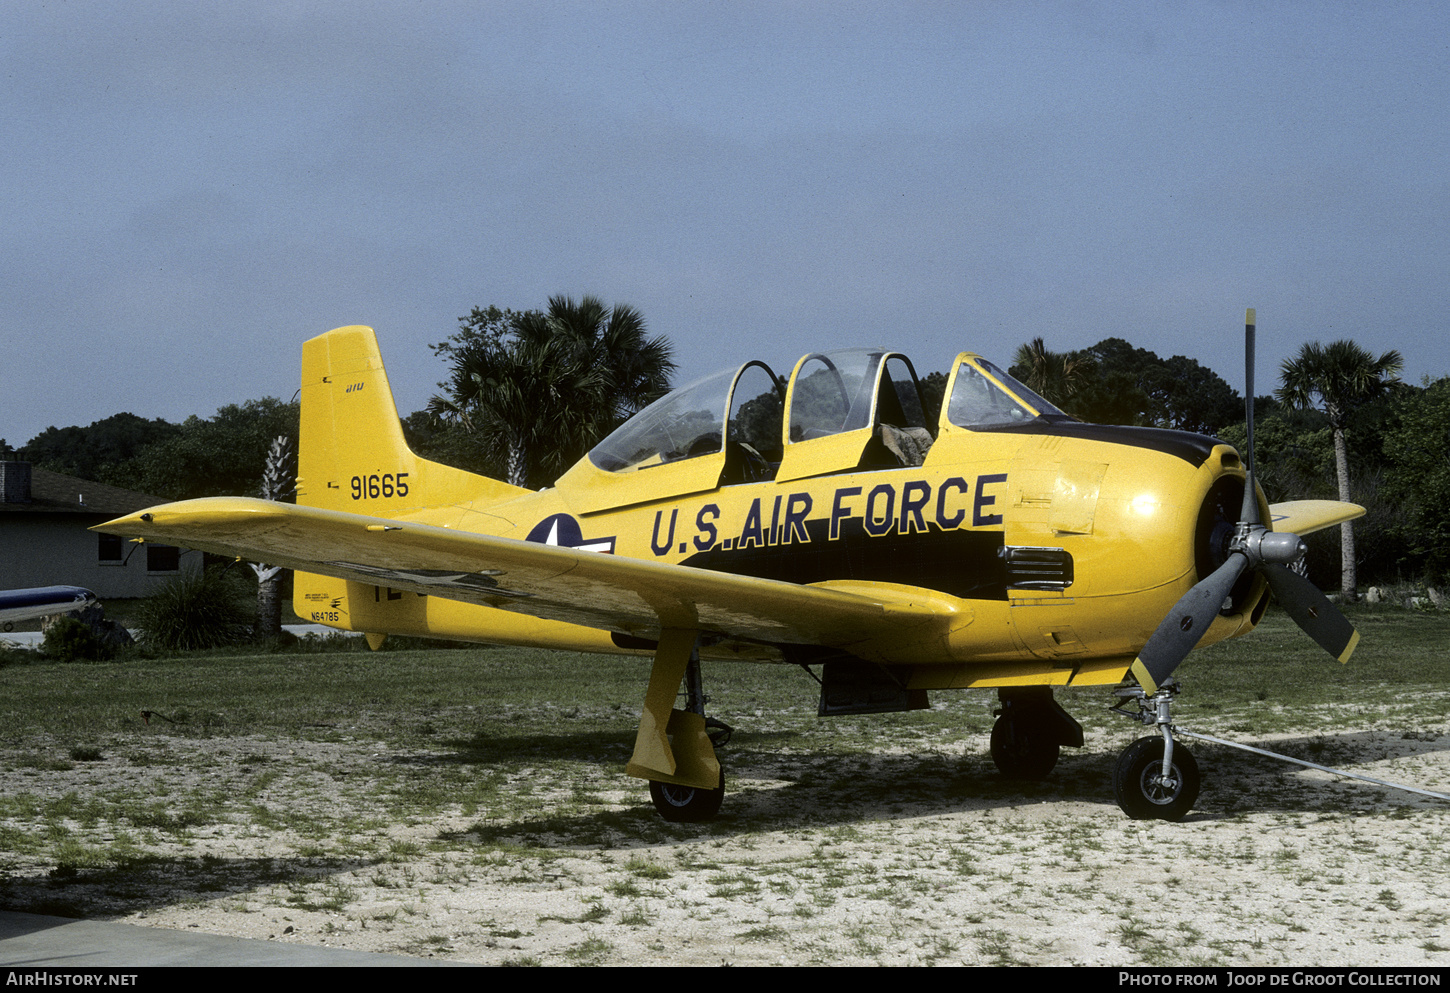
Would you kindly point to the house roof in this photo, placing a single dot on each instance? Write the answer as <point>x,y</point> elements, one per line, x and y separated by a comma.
<point>57,493</point>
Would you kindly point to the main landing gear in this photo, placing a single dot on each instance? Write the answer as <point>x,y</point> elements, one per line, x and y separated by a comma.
<point>689,804</point>
<point>1155,776</point>
<point>686,804</point>
<point>686,748</point>
<point>1029,732</point>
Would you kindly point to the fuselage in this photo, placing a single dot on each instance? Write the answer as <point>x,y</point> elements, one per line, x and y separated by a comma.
<point>1054,546</point>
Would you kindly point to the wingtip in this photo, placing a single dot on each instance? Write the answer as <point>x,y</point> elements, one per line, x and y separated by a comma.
<point>118,525</point>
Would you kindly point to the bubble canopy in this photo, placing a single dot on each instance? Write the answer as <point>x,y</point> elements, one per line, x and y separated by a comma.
<point>981,398</point>
<point>742,411</point>
<point>696,420</point>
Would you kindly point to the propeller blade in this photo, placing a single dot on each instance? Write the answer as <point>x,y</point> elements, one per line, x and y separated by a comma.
<point>1250,511</point>
<point>1185,624</point>
<point>1312,611</point>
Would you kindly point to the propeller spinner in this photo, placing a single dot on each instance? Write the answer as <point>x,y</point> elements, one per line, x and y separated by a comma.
<point>1253,546</point>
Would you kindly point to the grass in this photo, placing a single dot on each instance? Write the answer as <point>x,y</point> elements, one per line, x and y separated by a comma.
<point>539,701</point>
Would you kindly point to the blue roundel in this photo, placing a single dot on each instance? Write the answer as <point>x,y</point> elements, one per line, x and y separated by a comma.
<point>558,529</point>
<point>564,531</point>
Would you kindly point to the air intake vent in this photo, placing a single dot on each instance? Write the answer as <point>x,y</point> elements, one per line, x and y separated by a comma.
<point>1030,568</point>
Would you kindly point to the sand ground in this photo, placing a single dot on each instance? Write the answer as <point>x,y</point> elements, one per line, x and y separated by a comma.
<point>908,855</point>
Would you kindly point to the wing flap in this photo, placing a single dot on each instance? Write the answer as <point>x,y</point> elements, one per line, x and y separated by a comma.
<point>1308,516</point>
<point>611,592</point>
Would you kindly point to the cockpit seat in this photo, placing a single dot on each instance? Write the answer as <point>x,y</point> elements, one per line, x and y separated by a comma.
<point>908,445</point>
<point>743,464</point>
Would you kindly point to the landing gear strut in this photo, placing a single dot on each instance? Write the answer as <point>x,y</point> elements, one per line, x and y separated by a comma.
<point>1155,776</point>
<point>691,804</point>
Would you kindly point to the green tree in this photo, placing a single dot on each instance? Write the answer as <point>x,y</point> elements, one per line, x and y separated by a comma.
<point>933,391</point>
<point>1125,389</point>
<point>1418,452</point>
<point>223,455</point>
<point>1114,397</point>
<point>1194,397</point>
<point>440,439</point>
<point>93,452</point>
<point>636,369</point>
<point>1114,382</point>
<point>541,388</point>
<point>1130,385</point>
<point>1338,378</point>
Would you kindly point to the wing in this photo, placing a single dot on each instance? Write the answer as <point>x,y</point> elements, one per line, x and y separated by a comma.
<point>1308,516</point>
<point>611,592</point>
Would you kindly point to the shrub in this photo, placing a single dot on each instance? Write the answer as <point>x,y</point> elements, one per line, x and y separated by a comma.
<point>71,640</point>
<point>197,610</point>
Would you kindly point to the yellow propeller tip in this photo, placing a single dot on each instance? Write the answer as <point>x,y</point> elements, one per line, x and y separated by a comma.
<point>1140,673</point>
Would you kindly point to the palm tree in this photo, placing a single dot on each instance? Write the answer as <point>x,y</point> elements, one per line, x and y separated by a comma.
<point>1338,378</point>
<point>634,370</point>
<point>279,482</point>
<point>1055,376</point>
<point>541,389</point>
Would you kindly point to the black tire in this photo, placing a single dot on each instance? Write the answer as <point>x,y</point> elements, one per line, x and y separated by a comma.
<point>1022,750</point>
<point>686,804</point>
<point>1138,781</point>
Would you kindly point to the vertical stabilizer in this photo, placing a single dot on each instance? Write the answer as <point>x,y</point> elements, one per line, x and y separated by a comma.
<point>352,455</point>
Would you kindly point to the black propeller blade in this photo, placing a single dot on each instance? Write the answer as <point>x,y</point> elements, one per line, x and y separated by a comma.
<point>1303,602</point>
<point>1180,631</point>
<point>1253,546</point>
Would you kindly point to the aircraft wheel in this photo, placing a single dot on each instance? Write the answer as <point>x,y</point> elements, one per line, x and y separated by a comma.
<point>1140,788</point>
<point>686,804</point>
<point>1021,750</point>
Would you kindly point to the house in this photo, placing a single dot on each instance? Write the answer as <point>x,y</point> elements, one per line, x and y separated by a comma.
<point>45,541</point>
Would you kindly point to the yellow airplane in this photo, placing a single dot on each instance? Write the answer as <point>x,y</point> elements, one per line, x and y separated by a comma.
<point>818,520</point>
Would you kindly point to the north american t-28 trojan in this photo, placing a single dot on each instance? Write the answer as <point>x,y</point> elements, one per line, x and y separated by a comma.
<point>821,520</point>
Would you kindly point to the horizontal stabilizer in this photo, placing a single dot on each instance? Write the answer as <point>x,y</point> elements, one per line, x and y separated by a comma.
<point>1308,516</point>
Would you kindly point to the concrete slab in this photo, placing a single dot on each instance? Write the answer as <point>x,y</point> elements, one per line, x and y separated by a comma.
<point>36,941</point>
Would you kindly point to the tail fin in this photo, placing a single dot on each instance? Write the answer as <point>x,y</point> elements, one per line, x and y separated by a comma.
<point>352,455</point>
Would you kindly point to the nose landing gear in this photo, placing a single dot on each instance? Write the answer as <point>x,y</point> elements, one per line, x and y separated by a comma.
<point>1155,778</point>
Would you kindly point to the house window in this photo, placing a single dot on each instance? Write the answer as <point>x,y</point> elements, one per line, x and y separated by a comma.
<point>162,558</point>
<point>110,548</point>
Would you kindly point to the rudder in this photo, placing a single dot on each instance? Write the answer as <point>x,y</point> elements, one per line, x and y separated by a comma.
<point>352,455</point>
